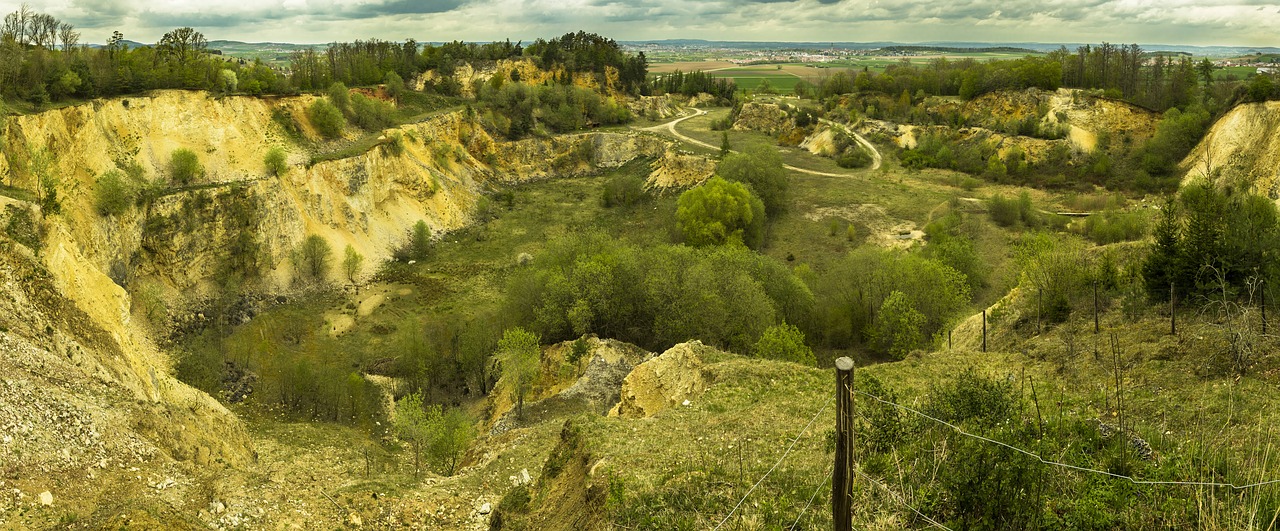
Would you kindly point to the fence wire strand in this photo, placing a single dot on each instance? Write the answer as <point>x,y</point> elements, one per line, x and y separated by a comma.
<point>830,471</point>
<point>1051,462</point>
<point>901,499</point>
<point>779,462</point>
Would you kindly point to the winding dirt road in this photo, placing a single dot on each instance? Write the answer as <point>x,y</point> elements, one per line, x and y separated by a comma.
<point>670,128</point>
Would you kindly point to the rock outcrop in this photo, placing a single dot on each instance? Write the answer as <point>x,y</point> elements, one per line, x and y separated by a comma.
<point>1242,148</point>
<point>662,382</point>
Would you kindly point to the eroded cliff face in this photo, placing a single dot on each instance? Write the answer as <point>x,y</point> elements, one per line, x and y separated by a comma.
<point>1242,148</point>
<point>78,308</point>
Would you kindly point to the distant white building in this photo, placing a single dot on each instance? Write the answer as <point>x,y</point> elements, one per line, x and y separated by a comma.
<point>1268,70</point>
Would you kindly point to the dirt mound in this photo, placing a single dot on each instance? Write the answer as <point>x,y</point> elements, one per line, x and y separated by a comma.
<point>665,381</point>
<point>1243,147</point>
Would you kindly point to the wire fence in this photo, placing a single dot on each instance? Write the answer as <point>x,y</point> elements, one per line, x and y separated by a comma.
<point>830,471</point>
<point>900,499</point>
<point>904,502</point>
<point>779,462</point>
<point>1033,455</point>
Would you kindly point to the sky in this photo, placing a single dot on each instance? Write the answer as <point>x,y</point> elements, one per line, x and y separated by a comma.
<point>1206,22</point>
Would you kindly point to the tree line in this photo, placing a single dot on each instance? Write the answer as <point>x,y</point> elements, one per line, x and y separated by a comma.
<point>42,60</point>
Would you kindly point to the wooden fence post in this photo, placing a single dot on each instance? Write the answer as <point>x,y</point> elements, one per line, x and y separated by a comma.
<point>1096,328</point>
<point>984,330</point>
<point>842,481</point>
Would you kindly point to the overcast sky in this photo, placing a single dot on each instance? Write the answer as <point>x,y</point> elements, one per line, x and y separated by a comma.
<point>1210,22</point>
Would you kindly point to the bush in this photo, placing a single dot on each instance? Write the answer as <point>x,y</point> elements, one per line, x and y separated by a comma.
<point>113,195</point>
<point>971,398</point>
<point>184,166</point>
<point>327,119</point>
<point>854,158</point>
<point>720,212</point>
<point>371,114</point>
<point>762,170</point>
<point>897,328</point>
<point>1010,212</point>
<point>1114,226</point>
<point>313,257</point>
<point>655,296</point>
<point>420,241</point>
<point>339,97</point>
<point>624,190</point>
<point>275,161</point>
<point>784,342</point>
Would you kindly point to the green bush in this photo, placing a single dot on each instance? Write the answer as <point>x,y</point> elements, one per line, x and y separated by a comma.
<point>1114,226</point>
<point>624,190</point>
<point>655,296</point>
<point>897,327</point>
<point>720,212</point>
<point>275,161</point>
<point>340,97</point>
<point>854,158</point>
<point>113,195</point>
<point>1012,212</point>
<point>971,398</point>
<point>784,342</point>
<point>760,168</point>
<point>327,119</point>
<point>184,166</point>
<point>371,114</point>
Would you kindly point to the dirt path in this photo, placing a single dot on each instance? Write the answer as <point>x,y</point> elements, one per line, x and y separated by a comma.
<point>670,128</point>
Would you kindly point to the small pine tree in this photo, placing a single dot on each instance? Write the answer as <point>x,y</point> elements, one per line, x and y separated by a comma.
<point>725,147</point>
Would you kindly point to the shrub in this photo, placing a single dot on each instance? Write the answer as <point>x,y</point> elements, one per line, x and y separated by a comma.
<point>784,342</point>
<point>275,161</point>
<point>1114,226</point>
<point>720,212</point>
<point>897,328</point>
<point>762,170</point>
<point>351,263</point>
<point>624,190</point>
<point>520,355</point>
<point>971,398</point>
<point>327,119</point>
<point>1010,212</point>
<point>420,241</point>
<point>395,85</point>
<point>854,158</point>
<point>113,195</point>
<point>339,97</point>
<point>371,114</point>
<point>184,166</point>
